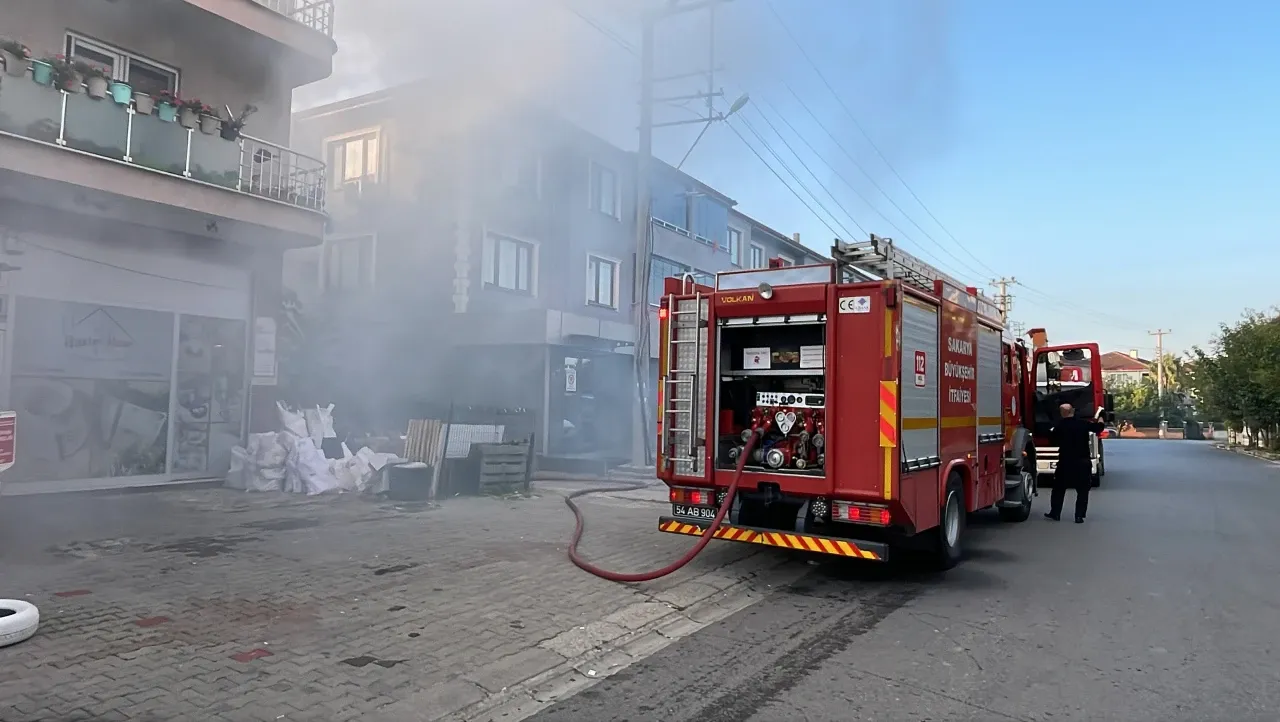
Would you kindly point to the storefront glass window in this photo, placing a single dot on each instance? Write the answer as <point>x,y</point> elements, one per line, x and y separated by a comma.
<point>91,385</point>
<point>211,391</point>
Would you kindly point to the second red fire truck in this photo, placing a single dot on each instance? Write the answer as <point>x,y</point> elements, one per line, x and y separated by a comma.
<point>878,400</point>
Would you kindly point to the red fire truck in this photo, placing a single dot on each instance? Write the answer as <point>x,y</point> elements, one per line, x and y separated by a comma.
<point>1070,374</point>
<point>877,398</point>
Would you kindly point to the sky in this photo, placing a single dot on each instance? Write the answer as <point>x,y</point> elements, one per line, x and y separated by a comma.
<point>1119,159</point>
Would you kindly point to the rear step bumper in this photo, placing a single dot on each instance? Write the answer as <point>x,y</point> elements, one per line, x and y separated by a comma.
<point>871,551</point>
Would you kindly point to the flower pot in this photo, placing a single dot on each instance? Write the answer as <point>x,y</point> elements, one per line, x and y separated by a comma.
<point>120,92</point>
<point>42,72</point>
<point>168,112</point>
<point>229,132</point>
<point>14,65</point>
<point>74,83</point>
<point>143,103</point>
<point>188,118</point>
<point>97,87</point>
<point>208,124</point>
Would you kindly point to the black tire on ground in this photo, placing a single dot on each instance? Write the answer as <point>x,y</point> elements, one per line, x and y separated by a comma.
<point>1102,462</point>
<point>1022,512</point>
<point>951,522</point>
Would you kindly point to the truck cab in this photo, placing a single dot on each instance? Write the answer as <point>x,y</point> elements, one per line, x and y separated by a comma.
<point>1067,374</point>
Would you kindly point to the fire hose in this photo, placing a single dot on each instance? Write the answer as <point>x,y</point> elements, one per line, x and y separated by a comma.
<point>673,566</point>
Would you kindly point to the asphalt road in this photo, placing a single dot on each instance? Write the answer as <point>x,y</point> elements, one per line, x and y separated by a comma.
<point>1163,606</point>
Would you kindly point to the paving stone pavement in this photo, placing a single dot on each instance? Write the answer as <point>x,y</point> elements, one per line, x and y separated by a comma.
<point>222,605</point>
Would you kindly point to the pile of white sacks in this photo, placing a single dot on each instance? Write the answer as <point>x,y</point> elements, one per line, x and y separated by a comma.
<point>291,459</point>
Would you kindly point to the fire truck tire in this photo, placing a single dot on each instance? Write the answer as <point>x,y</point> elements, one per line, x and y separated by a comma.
<point>1022,512</point>
<point>951,518</point>
<point>18,621</point>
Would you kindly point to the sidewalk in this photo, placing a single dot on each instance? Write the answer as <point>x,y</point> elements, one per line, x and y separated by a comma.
<point>222,605</point>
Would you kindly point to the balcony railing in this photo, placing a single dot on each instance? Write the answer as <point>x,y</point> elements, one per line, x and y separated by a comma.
<point>104,128</point>
<point>315,14</point>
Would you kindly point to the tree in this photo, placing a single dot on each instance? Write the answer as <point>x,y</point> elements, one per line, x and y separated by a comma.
<point>1239,379</point>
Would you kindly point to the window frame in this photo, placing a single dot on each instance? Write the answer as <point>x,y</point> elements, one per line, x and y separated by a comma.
<point>369,275</point>
<point>786,260</point>
<point>490,259</point>
<point>684,268</point>
<point>734,248</point>
<point>593,196</point>
<point>338,181</point>
<point>593,280</point>
<point>123,59</point>
<point>764,256</point>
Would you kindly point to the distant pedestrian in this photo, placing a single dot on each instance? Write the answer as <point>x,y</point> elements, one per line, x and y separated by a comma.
<point>1074,470</point>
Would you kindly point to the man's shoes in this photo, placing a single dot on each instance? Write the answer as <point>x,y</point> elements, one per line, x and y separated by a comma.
<point>1052,517</point>
<point>1079,520</point>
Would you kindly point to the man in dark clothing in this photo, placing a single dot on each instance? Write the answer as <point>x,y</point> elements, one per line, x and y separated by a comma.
<point>1071,436</point>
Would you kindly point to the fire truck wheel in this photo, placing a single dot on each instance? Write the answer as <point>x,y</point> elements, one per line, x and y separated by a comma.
<point>1022,512</point>
<point>951,524</point>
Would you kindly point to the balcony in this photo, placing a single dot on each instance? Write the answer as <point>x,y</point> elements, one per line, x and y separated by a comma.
<point>247,167</point>
<point>315,14</point>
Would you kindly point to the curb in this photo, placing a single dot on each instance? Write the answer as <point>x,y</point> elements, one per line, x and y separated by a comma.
<point>1242,451</point>
<point>659,621</point>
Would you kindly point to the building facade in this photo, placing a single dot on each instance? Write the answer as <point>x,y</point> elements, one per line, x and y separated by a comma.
<point>506,247</point>
<point>142,245</point>
<point>1120,367</point>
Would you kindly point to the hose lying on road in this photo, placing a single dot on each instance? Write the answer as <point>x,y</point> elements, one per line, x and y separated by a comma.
<point>677,564</point>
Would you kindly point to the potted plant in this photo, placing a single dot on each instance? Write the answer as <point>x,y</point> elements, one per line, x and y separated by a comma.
<point>96,79</point>
<point>143,103</point>
<point>66,75</point>
<point>209,120</point>
<point>167,105</point>
<point>16,57</point>
<point>121,92</point>
<point>42,70</point>
<point>189,112</point>
<point>231,127</point>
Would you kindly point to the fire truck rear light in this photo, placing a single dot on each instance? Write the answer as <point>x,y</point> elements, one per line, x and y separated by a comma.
<point>662,314</point>
<point>693,497</point>
<point>859,513</point>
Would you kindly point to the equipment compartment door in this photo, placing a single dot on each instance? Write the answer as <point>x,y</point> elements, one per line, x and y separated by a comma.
<point>990,426</point>
<point>919,395</point>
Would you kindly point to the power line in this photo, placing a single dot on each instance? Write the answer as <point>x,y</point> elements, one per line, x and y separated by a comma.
<point>809,170</point>
<point>775,173</point>
<point>875,184</point>
<point>900,232</point>
<point>822,76</point>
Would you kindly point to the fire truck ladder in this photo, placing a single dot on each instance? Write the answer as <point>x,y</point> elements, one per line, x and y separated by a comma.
<point>686,366</point>
<point>878,259</point>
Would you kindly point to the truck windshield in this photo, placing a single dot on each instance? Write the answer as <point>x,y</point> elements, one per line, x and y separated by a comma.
<point>787,276</point>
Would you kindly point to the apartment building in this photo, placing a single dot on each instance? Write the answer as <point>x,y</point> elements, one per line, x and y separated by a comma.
<point>491,262</point>
<point>147,194</point>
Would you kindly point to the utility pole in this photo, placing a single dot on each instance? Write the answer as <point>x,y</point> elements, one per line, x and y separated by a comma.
<point>1004,300</point>
<point>644,156</point>
<point>1160,334</point>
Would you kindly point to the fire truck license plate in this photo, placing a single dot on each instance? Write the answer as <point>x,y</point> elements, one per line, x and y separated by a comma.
<point>694,512</point>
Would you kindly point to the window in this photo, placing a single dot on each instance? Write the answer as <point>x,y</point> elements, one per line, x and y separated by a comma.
<point>348,263</point>
<point>785,261</point>
<point>704,278</point>
<point>659,270</point>
<point>757,257</point>
<point>353,158</point>
<point>143,75</point>
<point>734,246</point>
<point>606,196</point>
<point>602,282</point>
<point>508,263</point>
